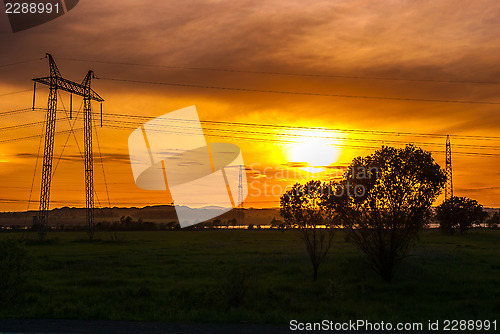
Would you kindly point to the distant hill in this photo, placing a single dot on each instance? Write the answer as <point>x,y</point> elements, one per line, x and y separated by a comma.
<point>491,210</point>
<point>158,214</point>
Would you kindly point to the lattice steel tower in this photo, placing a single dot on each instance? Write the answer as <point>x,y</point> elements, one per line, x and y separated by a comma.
<point>55,82</point>
<point>448,190</point>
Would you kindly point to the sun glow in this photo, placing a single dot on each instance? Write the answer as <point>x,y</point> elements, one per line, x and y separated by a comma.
<point>315,150</point>
<point>4,158</point>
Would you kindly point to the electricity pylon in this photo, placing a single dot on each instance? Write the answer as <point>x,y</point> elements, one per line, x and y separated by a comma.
<point>55,82</point>
<point>448,190</point>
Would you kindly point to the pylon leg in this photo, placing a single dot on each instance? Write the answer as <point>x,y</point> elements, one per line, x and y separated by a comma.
<point>48,153</point>
<point>89,167</point>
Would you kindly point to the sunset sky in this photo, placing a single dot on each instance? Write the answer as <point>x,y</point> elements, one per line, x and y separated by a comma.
<point>377,67</point>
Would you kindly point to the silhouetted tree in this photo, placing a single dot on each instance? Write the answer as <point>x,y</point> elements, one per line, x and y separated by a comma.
<point>126,221</point>
<point>217,223</point>
<point>300,207</point>
<point>494,220</point>
<point>459,213</point>
<point>276,223</point>
<point>383,201</point>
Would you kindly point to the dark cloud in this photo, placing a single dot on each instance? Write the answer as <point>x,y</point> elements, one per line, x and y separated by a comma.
<point>424,40</point>
<point>106,157</point>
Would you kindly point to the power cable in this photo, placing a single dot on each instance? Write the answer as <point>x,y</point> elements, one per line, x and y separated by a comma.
<point>36,136</point>
<point>288,135</point>
<point>21,62</point>
<point>287,73</point>
<point>407,99</point>
<point>16,111</point>
<point>295,142</point>
<point>307,136</point>
<point>69,134</point>
<point>17,92</point>
<point>34,172</point>
<point>373,132</point>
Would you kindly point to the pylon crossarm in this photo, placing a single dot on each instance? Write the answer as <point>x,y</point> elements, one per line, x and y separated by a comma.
<point>50,126</point>
<point>69,86</point>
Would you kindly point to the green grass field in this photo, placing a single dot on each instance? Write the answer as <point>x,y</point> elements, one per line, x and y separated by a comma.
<point>254,276</point>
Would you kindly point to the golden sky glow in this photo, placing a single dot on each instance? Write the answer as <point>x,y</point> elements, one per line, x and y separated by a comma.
<point>438,50</point>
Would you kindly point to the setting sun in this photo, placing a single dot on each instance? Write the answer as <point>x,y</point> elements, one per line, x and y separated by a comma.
<point>316,150</point>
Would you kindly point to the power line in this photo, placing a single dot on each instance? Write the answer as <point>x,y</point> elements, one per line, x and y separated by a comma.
<point>163,126</point>
<point>16,111</point>
<point>21,62</point>
<point>71,125</point>
<point>295,142</point>
<point>277,134</point>
<point>407,99</point>
<point>374,132</point>
<point>17,92</point>
<point>42,133</point>
<point>20,126</point>
<point>287,73</point>
<point>36,136</point>
<point>20,91</point>
<point>24,125</point>
<point>267,133</point>
<point>323,129</point>
<point>102,165</point>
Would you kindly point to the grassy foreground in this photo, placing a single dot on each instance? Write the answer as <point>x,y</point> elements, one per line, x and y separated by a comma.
<point>255,276</point>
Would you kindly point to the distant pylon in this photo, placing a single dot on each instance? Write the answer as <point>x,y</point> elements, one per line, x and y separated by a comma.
<point>448,190</point>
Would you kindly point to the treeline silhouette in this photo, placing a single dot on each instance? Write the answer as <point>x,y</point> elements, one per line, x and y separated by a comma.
<point>127,223</point>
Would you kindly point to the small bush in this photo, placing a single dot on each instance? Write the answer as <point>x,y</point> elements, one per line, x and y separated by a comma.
<point>235,285</point>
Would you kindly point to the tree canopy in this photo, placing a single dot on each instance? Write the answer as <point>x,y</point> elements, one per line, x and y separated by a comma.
<point>384,199</point>
<point>459,213</point>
